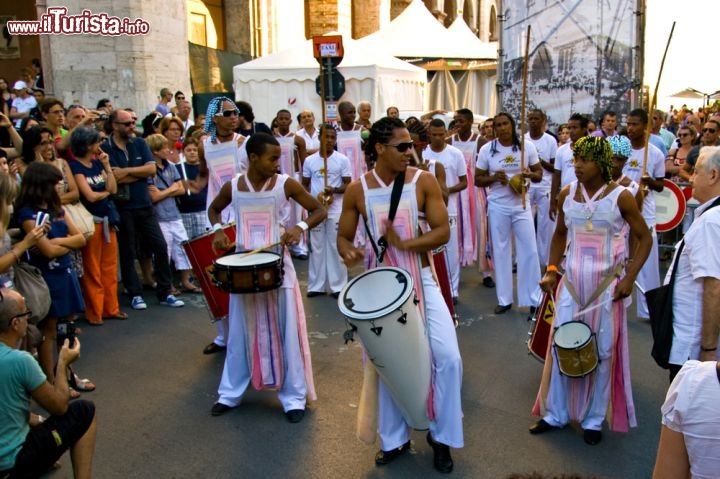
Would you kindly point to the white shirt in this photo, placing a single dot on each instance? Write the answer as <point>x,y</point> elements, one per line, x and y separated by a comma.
<point>454,162</point>
<point>338,168</point>
<point>23,105</point>
<point>546,147</point>
<point>691,408</point>
<point>656,169</point>
<point>700,258</point>
<point>494,157</point>
<point>564,164</point>
<point>311,142</point>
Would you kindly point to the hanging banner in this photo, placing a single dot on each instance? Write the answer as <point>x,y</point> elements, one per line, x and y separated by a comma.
<point>585,57</point>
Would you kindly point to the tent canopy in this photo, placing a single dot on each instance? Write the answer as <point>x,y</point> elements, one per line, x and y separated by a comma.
<point>689,93</point>
<point>287,80</point>
<point>415,33</point>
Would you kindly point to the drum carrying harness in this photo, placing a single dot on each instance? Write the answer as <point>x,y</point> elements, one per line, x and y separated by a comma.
<point>382,244</point>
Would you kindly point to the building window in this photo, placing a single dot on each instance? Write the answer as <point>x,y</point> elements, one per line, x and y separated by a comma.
<point>492,27</point>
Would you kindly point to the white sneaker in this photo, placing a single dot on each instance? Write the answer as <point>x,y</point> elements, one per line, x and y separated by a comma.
<point>172,301</point>
<point>138,303</point>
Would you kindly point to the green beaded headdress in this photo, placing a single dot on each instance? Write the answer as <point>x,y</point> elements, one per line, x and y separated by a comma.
<point>598,150</point>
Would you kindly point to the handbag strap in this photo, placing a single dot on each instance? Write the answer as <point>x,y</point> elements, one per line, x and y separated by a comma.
<point>682,243</point>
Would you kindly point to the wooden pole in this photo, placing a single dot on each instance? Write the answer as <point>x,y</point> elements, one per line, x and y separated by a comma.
<point>653,103</point>
<point>323,153</point>
<point>522,114</point>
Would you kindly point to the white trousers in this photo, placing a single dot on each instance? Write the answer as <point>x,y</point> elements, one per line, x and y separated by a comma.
<point>452,253</point>
<point>557,400</point>
<point>221,326</point>
<point>236,372</point>
<point>326,270</point>
<point>649,277</point>
<point>506,222</point>
<point>447,427</point>
<point>545,227</point>
<point>175,235</point>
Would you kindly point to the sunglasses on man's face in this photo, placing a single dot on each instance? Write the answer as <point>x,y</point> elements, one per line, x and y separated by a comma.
<point>401,147</point>
<point>709,130</point>
<point>126,123</point>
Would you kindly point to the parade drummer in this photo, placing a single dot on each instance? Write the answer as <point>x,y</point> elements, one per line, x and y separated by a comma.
<point>389,146</point>
<point>592,218</point>
<point>267,340</point>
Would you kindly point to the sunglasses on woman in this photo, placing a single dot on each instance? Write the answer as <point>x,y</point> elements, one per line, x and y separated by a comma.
<point>227,113</point>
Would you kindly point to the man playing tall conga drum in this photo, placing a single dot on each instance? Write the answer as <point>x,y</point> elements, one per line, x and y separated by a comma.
<point>420,200</point>
<point>593,296</point>
<point>267,339</point>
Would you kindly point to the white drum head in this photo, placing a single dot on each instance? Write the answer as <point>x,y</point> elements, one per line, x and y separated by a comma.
<point>375,293</point>
<point>571,335</point>
<point>244,260</point>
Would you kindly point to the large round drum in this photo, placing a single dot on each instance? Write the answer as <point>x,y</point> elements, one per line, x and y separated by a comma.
<point>669,207</point>
<point>243,273</point>
<point>381,304</point>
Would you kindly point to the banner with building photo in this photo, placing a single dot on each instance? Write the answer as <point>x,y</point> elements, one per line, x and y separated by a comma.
<point>584,57</point>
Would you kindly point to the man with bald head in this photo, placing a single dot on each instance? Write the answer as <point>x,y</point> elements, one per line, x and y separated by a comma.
<point>349,138</point>
<point>30,444</point>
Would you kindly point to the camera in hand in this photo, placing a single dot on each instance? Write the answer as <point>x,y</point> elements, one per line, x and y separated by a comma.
<point>66,330</point>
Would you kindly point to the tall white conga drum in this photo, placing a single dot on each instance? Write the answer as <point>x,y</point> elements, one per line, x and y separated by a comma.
<point>382,305</point>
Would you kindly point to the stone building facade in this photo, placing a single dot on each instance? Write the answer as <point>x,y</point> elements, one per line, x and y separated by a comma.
<point>131,69</point>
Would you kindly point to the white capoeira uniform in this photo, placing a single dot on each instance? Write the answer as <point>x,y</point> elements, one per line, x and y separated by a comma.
<point>587,399</point>
<point>349,143</point>
<point>564,164</point>
<point>326,270</point>
<point>452,159</point>
<point>468,215</point>
<point>224,161</point>
<point>649,276</point>
<point>539,193</point>
<point>507,216</point>
<point>267,340</point>
<point>446,425</point>
<point>288,163</point>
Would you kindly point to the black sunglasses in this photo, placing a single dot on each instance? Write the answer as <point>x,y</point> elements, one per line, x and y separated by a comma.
<point>401,147</point>
<point>711,130</point>
<point>227,113</point>
<point>126,123</point>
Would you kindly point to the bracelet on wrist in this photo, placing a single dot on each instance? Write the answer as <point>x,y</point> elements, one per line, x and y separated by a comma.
<point>708,350</point>
<point>551,268</point>
<point>216,227</point>
<point>303,225</point>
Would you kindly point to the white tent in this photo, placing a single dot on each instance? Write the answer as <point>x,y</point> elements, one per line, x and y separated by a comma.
<point>415,33</point>
<point>287,80</point>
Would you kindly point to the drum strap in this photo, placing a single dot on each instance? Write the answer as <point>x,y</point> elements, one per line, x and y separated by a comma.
<point>382,245</point>
<point>615,273</point>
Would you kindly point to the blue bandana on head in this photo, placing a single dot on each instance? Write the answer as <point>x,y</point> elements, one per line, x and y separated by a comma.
<point>621,146</point>
<point>214,107</point>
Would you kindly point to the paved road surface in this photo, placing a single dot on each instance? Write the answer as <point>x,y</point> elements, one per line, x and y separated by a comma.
<point>155,390</point>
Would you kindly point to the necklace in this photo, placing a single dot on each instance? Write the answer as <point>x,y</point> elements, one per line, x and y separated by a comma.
<point>590,205</point>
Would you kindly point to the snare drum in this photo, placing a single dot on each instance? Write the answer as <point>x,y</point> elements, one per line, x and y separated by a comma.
<point>242,273</point>
<point>576,349</point>
<point>200,253</point>
<point>381,304</point>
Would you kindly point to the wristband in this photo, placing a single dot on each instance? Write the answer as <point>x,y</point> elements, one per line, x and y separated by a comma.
<point>216,227</point>
<point>551,269</point>
<point>303,226</point>
<point>707,350</point>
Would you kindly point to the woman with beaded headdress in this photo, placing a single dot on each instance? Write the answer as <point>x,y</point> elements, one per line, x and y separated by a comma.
<point>222,157</point>
<point>599,273</point>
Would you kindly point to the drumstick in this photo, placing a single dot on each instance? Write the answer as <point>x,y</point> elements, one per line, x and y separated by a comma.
<point>522,114</point>
<point>263,248</point>
<point>653,103</point>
